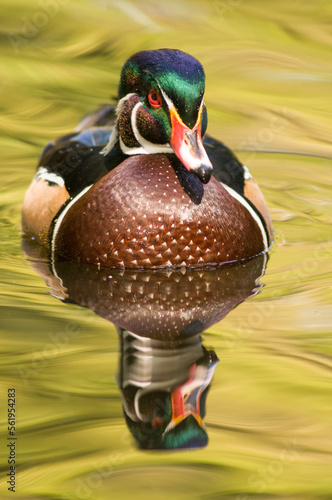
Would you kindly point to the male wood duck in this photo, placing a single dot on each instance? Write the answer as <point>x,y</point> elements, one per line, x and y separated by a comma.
<point>149,192</point>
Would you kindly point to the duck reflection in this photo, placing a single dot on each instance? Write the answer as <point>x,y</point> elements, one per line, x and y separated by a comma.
<point>164,386</point>
<point>164,371</point>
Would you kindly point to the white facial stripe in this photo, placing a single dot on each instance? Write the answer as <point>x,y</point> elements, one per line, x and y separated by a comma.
<point>170,103</point>
<point>250,210</point>
<point>122,102</point>
<point>44,174</point>
<point>167,99</point>
<point>148,147</point>
<point>62,215</point>
<point>133,121</point>
<point>115,134</point>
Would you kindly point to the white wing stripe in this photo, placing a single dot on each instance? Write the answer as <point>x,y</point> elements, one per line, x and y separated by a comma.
<point>62,215</point>
<point>250,210</point>
<point>44,174</point>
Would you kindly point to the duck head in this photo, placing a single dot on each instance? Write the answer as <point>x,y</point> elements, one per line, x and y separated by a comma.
<point>161,108</point>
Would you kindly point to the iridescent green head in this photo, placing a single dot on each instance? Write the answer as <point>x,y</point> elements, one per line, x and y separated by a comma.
<point>180,76</point>
<point>161,108</point>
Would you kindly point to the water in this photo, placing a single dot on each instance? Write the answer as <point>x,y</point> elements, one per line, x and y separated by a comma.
<point>268,411</point>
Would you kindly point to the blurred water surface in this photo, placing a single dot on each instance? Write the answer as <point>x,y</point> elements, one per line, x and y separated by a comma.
<point>268,94</point>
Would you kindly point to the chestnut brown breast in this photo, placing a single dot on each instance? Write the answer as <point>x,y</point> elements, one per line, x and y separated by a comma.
<point>151,212</point>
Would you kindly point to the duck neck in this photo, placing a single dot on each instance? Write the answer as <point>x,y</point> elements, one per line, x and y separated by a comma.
<point>114,155</point>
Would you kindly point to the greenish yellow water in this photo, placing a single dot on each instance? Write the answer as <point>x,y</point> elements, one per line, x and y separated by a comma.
<point>268,69</point>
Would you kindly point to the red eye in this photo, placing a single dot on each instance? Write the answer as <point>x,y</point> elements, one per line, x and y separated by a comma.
<point>155,99</point>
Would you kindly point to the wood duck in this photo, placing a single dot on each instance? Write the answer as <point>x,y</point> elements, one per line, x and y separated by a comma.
<point>139,187</point>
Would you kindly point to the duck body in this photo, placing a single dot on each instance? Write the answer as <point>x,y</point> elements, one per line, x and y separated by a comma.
<point>140,188</point>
